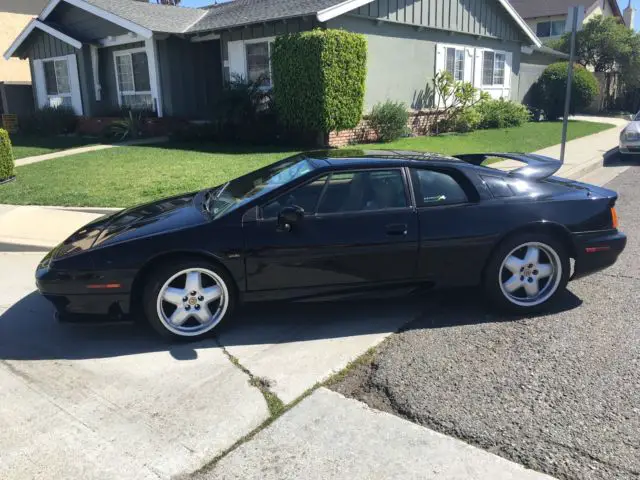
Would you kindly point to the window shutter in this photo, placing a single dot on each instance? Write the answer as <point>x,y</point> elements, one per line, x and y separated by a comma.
<point>477,68</point>
<point>40,83</point>
<point>441,58</point>
<point>237,60</point>
<point>507,71</point>
<point>469,57</point>
<point>74,83</point>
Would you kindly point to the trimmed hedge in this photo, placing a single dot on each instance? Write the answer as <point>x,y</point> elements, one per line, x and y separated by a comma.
<point>552,87</point>
<point>6,156</point>
<point>389,120</point>
<point>502,114</point>
<point>319,79</point>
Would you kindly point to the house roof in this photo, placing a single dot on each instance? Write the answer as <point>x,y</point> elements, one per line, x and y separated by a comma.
<point>548,8</point>
<point>145,18</point>
<point>243,12</point>
<point>151,16</point>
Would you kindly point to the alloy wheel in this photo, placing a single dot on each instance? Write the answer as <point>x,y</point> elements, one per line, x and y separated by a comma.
<point>530,274</point>
<point>192,302</point>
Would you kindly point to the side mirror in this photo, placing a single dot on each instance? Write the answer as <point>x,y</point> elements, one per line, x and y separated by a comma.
<point>288,217</point>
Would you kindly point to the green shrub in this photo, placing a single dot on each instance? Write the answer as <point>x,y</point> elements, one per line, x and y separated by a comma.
<point>553,85</point>
<point>389,120</point>
<point>6,156</point>
<point>50,121</point>
<point>466,120</point>
<point>319,78</point>
<point>502,114</point>
<point>127,128</point>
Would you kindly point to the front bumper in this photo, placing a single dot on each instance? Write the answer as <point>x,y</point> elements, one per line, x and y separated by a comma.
<point>73,292</point>
<point>629,147</point>
<point>596,251</point>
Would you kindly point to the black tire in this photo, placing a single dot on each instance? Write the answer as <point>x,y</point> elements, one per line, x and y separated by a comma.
<point>155,283</point>
<point>494,276</point>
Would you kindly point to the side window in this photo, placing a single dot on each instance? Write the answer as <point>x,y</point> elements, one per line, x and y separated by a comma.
<point>437,188</point>
<point>305,196</point>
<point>361,191</point>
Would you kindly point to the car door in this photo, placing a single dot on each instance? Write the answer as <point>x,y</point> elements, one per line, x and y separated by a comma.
<point>456,230</point>
<point>359,227</point>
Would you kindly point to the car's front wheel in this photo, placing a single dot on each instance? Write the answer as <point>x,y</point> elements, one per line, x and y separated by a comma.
<point>188,298</point>
<point>526,272</point>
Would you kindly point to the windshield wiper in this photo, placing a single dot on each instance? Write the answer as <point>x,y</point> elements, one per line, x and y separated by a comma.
<point>209,196</point>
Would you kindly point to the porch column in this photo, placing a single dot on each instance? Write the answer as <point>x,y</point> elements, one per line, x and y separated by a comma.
<point>154,73</point>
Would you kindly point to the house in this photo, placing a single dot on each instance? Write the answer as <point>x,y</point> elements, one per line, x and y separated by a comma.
<point>97,56</point>
<point>548,18</point>
<point>15,79</point>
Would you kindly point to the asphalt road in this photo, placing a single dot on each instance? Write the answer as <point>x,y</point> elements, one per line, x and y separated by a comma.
<point>559,393</point>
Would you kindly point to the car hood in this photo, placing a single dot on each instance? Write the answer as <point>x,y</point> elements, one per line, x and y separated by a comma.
<point>154,218</point>
<point>633,127</point>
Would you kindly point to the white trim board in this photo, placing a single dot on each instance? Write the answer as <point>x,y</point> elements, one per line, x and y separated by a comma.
<point>349,5</point>
<point>33,24</point>
<point>99,12</point>
<point>74,82</point>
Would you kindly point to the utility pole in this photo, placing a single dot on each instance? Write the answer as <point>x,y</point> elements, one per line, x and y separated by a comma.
<point>573,12</point>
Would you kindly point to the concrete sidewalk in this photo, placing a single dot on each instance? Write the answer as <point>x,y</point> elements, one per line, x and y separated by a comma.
<point>330,436</point>
<point>92,148</point>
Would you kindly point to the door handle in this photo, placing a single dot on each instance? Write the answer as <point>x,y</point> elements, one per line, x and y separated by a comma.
<point>396,229</point>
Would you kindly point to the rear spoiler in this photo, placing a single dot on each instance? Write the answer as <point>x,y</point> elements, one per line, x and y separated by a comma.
<point>537,167</point>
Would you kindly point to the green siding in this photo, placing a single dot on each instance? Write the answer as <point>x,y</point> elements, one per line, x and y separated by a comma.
<point>477,17</point>
<point>401,59</point>
<point>190,77</point>
<point>268,29</point>
<point>42,45</point>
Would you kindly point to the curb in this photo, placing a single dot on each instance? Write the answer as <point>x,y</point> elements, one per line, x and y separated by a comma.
<point>582,170</point>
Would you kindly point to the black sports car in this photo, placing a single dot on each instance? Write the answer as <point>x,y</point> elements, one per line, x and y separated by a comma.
<point>337,223</point>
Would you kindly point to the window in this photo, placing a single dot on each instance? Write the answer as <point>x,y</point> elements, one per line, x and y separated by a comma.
<point>550,29</point>
<point>259,62</point>
<point>58,87</point>
<point>455,63</point>
<point>437,188</point>
<point>364,191</point>
<point>241,190</point>
<point>306,197</point>
<point>134,84</point>
<point>493,68</point>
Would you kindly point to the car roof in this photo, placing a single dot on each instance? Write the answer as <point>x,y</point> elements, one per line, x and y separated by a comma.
<point>349,158</point>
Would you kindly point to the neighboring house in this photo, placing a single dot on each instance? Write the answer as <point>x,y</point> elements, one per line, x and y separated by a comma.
<point>548,18</point>
<point>99,55</point>
<point>15,92</point>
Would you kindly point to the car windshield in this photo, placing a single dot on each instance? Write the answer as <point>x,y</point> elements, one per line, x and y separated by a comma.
<point>237,192</point>
<point>637,117</point>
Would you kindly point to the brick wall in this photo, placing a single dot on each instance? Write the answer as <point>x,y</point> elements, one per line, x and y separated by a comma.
<point>419,123</point>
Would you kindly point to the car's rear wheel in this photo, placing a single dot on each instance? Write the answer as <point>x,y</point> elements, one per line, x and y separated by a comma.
<point>527,272</point>
<point>188,299</point>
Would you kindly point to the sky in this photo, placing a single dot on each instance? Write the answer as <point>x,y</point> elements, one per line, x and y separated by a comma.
<point>623,4</point>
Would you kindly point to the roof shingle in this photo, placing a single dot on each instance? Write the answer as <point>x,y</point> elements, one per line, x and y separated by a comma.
<point>243,12</point>
<point>158,18</point>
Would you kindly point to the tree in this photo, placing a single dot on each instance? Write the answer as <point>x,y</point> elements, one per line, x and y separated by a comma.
<point>607,46</point>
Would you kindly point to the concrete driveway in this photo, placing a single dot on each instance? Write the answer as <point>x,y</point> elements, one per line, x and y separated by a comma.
<point>113,401</point>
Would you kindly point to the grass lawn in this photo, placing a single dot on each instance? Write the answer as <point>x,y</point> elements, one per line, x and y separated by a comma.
<point>528,138</point>
<point>125,176</point>
<point>31,145</point>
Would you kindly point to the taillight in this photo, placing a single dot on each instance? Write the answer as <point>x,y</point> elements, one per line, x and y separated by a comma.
<point>614,217</point>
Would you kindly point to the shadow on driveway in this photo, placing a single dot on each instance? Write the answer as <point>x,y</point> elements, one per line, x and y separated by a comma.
<point>28,330</point>
<point>613,158</point>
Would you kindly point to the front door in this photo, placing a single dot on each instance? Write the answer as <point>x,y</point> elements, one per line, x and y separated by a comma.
<point>359,228</point>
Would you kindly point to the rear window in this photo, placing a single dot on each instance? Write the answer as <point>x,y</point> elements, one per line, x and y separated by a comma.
<point>435,188</point>
<point>501,187</point>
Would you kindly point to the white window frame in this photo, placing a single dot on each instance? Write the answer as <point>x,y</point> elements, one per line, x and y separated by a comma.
<point>455,62</point>
<point>441,59</point>
<point>58,95</point>
<point>40,82</point>
<point>496,91</point>
<point>493,83</point>
<point>239,66</point>
<point>129,52</point>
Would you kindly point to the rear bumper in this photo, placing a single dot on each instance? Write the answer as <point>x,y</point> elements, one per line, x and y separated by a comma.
<point>596,251</point>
